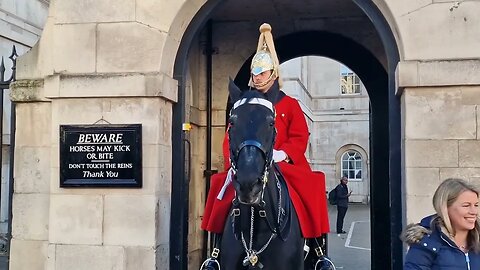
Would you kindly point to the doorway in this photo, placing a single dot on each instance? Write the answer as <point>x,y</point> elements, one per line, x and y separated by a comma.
<point>306,31</point>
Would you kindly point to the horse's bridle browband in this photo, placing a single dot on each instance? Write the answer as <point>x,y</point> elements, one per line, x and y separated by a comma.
<point>259,101</point>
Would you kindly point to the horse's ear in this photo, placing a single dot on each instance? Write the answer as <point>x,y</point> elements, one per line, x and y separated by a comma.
<point>234,91</point>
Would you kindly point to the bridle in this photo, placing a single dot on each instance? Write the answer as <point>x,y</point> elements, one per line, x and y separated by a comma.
<point>266,152</point>
<point>251,257</point>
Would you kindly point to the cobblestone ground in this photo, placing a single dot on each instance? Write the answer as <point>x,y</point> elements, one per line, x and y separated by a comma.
<point>351,251</point>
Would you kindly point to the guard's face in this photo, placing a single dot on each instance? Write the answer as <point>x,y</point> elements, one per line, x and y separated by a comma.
<point>464,211</point>
<point>261,78</point>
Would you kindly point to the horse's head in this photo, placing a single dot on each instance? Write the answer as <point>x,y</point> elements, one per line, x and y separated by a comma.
<point>251,137</point>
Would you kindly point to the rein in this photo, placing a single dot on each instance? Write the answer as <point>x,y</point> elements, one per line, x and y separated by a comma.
<point>252,255</point>
<point>278,226</point>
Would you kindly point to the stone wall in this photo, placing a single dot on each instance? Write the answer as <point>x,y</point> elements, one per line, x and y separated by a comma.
<point>440,120</point>
<point>96,62</point>
<point>88,66</point>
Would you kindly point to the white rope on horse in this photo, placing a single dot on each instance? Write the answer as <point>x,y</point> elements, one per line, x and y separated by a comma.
<point>228,180</point>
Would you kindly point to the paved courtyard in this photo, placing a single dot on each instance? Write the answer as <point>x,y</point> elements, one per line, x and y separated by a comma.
<point>351,251</point>
<point>3,262</point>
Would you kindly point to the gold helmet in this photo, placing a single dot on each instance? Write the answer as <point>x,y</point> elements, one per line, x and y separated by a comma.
<point>262,61</point>
<point>266,56</point>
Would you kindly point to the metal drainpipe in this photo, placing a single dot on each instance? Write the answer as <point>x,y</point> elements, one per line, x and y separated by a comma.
<point>208,170</point>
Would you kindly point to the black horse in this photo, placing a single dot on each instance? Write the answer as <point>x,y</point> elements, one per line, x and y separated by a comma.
<point>262,229</point>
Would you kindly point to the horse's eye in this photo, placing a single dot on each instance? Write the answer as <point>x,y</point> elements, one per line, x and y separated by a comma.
<point>271,121</point>
<point>232,120</point>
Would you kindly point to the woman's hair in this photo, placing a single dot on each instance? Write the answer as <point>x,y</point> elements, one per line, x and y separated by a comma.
<point>445,195</point>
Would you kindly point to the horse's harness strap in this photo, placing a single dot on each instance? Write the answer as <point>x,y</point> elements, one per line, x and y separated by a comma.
<point>250,143</point>
<point>236,222</point>
<point>270,215</point>
<point>267,153</point>
<point>281,225</point>
<point>235,213</point>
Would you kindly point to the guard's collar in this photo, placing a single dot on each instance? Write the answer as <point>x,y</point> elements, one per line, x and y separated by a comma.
<point>274,94</point>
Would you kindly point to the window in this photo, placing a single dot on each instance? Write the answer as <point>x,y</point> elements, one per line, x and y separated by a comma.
<point>349,82</point>
<point>352,165</point>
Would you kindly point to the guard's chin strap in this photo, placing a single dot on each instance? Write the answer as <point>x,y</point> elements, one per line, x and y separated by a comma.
<point>262,84</point>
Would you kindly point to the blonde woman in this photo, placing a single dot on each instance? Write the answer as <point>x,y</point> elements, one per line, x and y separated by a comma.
<point>448,239</point>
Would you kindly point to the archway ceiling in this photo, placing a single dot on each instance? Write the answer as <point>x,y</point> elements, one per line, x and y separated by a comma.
<point>342,17</point>
<point>247,10</point>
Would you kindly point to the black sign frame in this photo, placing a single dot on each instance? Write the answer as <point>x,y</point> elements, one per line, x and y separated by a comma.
<point>116,150</point>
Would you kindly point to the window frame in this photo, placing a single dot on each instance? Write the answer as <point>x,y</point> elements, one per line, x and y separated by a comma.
<point>350,155</point>
<point>356,82</point>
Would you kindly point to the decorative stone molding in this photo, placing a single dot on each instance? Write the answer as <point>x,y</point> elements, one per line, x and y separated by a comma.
<point>95,85</point>
<point>437,73</point>
<point>27,91</point>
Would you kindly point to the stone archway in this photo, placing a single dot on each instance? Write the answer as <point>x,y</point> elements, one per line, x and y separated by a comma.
<point>385,127</point>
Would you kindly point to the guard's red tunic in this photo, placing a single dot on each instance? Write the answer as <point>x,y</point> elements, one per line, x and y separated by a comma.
<point>306,188</point>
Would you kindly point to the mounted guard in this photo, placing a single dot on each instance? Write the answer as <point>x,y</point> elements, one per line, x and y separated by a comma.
<point>246,190</point>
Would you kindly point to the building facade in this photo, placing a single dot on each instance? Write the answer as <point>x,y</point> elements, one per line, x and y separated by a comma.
<point>165,63</point>
<point>336,106</point>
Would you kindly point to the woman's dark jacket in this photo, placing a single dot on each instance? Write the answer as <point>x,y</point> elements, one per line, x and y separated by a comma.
<point>431,249</point>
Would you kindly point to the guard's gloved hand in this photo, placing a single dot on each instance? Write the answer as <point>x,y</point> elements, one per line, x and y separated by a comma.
<point>279,155</point>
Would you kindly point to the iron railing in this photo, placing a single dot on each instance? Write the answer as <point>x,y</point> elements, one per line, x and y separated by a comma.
<point>4,86</point>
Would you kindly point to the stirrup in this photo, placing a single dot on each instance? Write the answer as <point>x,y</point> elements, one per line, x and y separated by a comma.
<point>324,263</point>
<point>212,262</point>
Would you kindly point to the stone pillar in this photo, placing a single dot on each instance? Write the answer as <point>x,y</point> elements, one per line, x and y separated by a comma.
<point>93,64</point>
<point>440,127</point>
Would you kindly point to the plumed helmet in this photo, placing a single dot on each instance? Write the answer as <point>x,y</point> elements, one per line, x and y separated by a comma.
<point>266,57</point>
<point>262,61</point>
